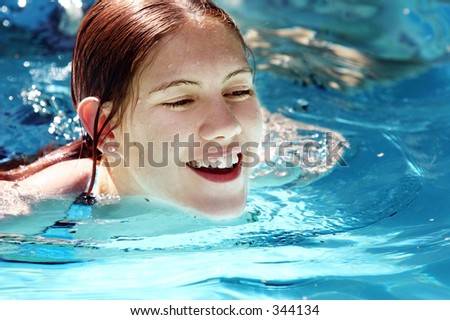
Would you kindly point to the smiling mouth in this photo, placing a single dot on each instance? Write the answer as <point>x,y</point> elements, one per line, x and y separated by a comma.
<point>218,171</point>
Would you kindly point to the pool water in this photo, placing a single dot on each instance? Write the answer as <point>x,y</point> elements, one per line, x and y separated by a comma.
<point>378,228</point>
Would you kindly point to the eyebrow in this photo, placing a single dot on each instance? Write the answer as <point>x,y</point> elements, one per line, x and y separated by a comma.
<point>239,71</point>
<point>176,83</point>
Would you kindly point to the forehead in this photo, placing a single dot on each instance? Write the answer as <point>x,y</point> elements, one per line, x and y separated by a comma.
<point>209,46</point>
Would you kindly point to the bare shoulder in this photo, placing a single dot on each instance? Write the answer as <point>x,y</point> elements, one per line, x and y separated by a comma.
<point>61,178</point>
<point>16,197</point>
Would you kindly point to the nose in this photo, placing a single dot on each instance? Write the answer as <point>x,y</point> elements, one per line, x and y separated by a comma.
<point>220,123</point>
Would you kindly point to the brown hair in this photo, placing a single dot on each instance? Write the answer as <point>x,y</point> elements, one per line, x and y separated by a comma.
<point>114,39</point>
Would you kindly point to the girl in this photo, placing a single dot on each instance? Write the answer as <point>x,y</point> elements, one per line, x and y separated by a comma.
<point>165,92</point>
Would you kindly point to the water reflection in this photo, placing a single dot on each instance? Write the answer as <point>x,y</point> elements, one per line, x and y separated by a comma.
<point>408,30</point>
<point>344,45</point>
<point>299,53</point>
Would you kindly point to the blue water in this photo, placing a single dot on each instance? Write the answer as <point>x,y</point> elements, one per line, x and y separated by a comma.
<point>377,229</point>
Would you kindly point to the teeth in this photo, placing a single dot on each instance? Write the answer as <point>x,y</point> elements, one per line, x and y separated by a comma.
<point>220,163</point>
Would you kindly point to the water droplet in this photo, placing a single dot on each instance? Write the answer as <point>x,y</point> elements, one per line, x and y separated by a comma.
<point>22,3</point>
<point>281,173</point>
<point>57,120</point>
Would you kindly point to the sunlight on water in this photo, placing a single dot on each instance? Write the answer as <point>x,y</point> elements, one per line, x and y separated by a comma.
<point>373,229</point>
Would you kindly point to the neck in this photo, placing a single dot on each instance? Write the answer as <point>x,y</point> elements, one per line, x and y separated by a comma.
<point>118,181</point>
<point>106,185</point>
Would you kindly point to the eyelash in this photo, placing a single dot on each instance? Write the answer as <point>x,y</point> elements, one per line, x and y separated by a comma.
<point>241,93</point>
<point>181,104</point>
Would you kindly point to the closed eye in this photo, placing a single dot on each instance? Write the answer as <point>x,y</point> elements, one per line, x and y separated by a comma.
<point>240,93</point>
<point>178,105</point>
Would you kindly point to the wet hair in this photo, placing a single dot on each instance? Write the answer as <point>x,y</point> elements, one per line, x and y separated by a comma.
<point>114,40</point>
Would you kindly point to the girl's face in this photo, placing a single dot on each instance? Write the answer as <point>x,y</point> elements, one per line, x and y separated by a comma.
<point>196,103</point>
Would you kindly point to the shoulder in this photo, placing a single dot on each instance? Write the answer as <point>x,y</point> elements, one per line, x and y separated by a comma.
<point>61,178</point>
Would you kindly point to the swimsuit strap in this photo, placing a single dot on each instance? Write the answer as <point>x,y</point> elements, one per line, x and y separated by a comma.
<point>80,209</point>
<point>86,198</point>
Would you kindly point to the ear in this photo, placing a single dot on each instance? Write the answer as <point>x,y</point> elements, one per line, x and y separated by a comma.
<point>87,110</point>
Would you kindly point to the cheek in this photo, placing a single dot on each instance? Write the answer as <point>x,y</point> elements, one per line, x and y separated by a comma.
<point>150,127</point>
<point>251,121</point>
<point>167,124</point>
<point>168,133</point>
